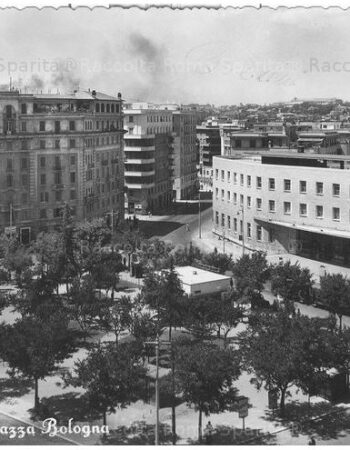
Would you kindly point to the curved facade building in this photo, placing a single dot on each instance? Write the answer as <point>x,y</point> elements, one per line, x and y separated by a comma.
<point>285,203</point>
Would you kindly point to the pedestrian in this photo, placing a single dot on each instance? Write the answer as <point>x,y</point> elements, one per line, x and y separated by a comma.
<point>208,433</point>
<point>312,441</point>
<point>187,227</point>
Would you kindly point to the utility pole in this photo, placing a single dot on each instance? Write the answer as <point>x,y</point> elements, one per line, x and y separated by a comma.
<point>199,215</point>
<point>241,211</point>
<point>157,390</point>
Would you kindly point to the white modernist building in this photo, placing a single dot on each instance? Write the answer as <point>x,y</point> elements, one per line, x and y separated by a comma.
<point>199,281</point>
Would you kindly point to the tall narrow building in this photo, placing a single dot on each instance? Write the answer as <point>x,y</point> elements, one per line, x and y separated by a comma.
<point>58,150</point>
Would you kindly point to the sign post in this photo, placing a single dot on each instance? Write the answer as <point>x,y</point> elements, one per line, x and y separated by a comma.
<point>243,410</point>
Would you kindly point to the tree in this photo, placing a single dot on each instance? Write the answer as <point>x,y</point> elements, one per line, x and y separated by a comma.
<point>35,347</point>
<point>113,377</point>
<point>117,316</point>
<point>282,350</point>
<point>335,294</point>
<point>205,375</point>
<point>251,273</point>
<point>292,282</point>
<point>105,270</point>
<point>186,256</point>
<point>220,261</point>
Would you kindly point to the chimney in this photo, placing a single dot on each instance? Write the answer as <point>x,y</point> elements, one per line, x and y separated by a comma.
<point>93,93</point>
<point>119,95</point>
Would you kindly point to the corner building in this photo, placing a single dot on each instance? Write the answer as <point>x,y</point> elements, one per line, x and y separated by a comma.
<point>58,150</point>
<point>285,203</point>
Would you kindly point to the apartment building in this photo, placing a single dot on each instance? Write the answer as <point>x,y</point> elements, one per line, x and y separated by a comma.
<point>185,157</point>
<point>285,203</point>
<point>246,140</point>
<point>148,150</point>
<point>58,150</point>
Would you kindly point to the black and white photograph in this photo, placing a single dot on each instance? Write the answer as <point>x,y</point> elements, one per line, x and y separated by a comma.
<point>174,226</point>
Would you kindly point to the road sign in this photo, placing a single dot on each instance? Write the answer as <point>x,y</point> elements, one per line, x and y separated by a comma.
<point>243,413</point>
<point>10,230</point>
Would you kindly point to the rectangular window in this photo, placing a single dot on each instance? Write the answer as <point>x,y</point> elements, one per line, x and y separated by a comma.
<point>42,145</point>
<point>42,125</point>
<point>57,212</point>
<point>71,125</point>
<point>287,207</point>
<point>319,188</point>
<point>287,185</point>
<point>72,177</point>
<point>241,200</point>
<point>216,193</point>
<point>72,160</point>
<point>43,214</point>
<point>235,178</point>
<point>303,209</point>
<point>271,184</point>
<point>23,108</point>
<point>272,206</point>
<point>249,202</point>
<point>259,233</point>
<point>241,179</point>
<point>9,180</point>
<point>24,179</point>
<point>71,143</point>
<point>222,220</point>
<point>229,176</point>
<point>228,196</point>
<point>43,179</point>
<point>73,194</point>
<point>258,182</point>
<point>222,175</point>
<point>58,196</point>
<point>57,144</point>
<point>58,178</point>
<point>336,189</point>
<point>249,230</point>
<point>235,224</point>
<point>249,180</point>
<point>258,204</point>
<point>24,163</point>
<point>302,187</point>
<point>319,211</point>
<point>216,218</point>
<point>336,213</point>
<point>229,222</point>
<point>235,198</point>
<point>216,174</point>
<point>42,162</point>
<point>222,194</point>
<point>24,127</point>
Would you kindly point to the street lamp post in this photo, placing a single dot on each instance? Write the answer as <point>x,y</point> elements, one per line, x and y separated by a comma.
<point>241,211</point>
<point>199,215</point>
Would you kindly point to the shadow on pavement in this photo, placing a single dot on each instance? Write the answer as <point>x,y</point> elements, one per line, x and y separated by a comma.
<point>224,435</point>
<point>63,407</point>
<point>162,228</point>
<point>139,433</point>
<point>322,420</point>
<point>14,387</point>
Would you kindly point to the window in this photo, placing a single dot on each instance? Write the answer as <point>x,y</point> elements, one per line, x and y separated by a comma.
<point>287,207</point>
<point>44,197</point>
<point>24,179</point>
<point>249,202</point>
<point>287,185</point>
<point>24,127</point>
<point>42,162</point>
<point>228,196</point>
<point>72,160</point>
<point>42,125</point>
<point>258,182</point>
<point>319,211</point>
<point>43,179</point>
<point>216,193</point>
<point>42,145</point>
<point>216,218</point>
<point>258,204</point>
<point>249,180</point>
<point>57,144</point>
<point>229,176</point>
<point>9,180</point>
<point>252,143</point>
<point>43,214</point>
<point>249,230</point>
<point>23,108</point>
<point>222,194</point>
<point>58,178</point>
<point>72,177</point>
<point>222,175</point>
<point>336,189</point>
<point>73,194</point>
<point>235,178</point>
<point>131,119</point>
<point>271,184</point>
<point>24,145</point>
<point>272,206</point>
<point>71,143</point>
<point>302,187</point>
<point>57,212</point>
<point>242,179</point>
<point>216,174</point>
<point>241,200</point>
<point>336,214</point>
<point>235,198</point>
<point>259,233</point>
<point>235,224</point>
<point>222,220</point>
<point>24,163</point>
<point>319,188</point>
<point>303,209</point>
<point>24,197</point>
<point>57,162</point>
<point>58,196</point>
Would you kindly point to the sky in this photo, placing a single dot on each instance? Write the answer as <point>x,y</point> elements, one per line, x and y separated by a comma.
<point>221,57</point>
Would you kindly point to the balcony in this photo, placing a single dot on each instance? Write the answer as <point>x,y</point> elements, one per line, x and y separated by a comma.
<point>140,161</point>
<point>139,174</point>
<point>137,185</point>
<point>138,149</point>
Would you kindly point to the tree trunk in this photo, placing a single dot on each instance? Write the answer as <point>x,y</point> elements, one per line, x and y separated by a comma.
<point>105,424</point>
<point>36,393</point>
<point>283,399</point>
<point>340,322</point>
<point>170,330</point>
<point>219,335</point>
<point>200,426</point>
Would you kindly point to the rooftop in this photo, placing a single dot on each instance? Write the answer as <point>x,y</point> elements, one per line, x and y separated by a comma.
<point>76,95</point>
<point>192,275</point>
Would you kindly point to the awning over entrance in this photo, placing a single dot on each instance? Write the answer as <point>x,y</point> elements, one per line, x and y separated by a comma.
<point>309,228</point>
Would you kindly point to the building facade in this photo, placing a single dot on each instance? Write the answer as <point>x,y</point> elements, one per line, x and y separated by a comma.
<point>58,150</point>
<point>285,203</point>
<point>148,150</point>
